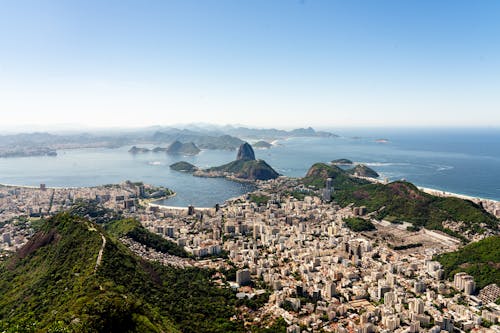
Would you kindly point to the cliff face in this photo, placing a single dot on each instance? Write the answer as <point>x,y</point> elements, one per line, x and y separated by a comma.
<point>244,167</point>
<point>245,153</point>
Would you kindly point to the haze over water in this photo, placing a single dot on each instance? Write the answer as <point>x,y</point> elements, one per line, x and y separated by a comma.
<point>464,161</point>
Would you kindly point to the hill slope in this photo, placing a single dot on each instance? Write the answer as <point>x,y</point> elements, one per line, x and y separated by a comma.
<point>244,167</point>
<point>480,259</point>
<point>318,173</point>
<point>53,285</point>
<point>404,201</point>
<point>247,169</point>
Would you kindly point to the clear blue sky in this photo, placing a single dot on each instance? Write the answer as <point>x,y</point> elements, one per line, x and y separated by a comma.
<point>264,63</point>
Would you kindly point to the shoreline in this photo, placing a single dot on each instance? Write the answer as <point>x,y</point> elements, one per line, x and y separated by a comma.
<point>491,206</point>
<point>434,191</point>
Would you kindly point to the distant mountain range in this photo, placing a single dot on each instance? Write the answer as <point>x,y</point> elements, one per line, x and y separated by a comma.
<point>209,137</point>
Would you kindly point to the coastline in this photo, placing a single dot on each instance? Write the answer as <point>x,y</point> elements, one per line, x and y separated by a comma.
<point>435,191</point>
<point>492,206</point>
<point>48,187</point>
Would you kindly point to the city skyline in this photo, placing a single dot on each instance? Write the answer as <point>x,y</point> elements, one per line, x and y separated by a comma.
<point>281,64</point>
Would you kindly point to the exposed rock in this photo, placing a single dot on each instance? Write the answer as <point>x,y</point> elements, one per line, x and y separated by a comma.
<point>245,153</point>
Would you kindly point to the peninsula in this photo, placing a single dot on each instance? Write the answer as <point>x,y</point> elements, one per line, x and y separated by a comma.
<point>244,168</point>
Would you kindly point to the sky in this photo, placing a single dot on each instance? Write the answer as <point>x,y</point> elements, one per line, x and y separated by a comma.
<point>259,63</point>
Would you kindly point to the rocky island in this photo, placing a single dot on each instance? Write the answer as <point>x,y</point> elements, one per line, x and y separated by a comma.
<point>178,147</point>
<point>341,161</point>
<point>138,150</point>
<point>262,145</point>
<point>244,168</point>
<point>183,166</point>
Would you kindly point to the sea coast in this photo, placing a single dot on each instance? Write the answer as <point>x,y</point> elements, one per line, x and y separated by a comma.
<point>490,205</point>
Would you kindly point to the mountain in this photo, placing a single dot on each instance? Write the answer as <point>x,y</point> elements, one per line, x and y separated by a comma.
<point>202,140</point>
<point>262,145</point>
<point>341,161</point>
<point>244,167</point>
<point>183,167</point>
<point>203,136</point>
<point>72,276</point>
<point>178,147</point>
<point>138,150</point>
<point>403,201</point>
<point>318,173</point>
<point>363,171</point>
<point>479,259</point>
<point>245,153</point>
<point>273,133</point>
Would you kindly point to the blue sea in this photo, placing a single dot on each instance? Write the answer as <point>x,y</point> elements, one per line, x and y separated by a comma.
<point>465,161</point>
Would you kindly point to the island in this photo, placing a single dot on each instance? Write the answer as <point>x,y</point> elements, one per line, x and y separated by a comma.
<point>138,150</point>
<point>184,166</point>
<point>262,145</point>
<point>159,150</point>
<point>382,141</point>
<point>341,161</point>
<point>178,147</point>
<point>244,168</point>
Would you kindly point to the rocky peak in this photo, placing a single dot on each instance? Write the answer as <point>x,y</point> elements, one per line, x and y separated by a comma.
<point>245,152</point>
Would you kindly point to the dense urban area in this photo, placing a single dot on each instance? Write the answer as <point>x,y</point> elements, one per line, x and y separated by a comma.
<point>294,259</point>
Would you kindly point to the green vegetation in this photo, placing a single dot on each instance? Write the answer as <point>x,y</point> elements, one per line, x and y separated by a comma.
<point>299,195</point>
<point>50,286</point>
<point>133,229</point>
<point>363,171</point>
<point>413,228</point>
<point>92,210</point>
<point>255,302</point>
<point>480,259</point>
<point>259,199</point>
<point>341,161</point>
<point>401,201</point>
<point>406,246</point>
<point>279,326</point>
<point>358,224</point>
<point>183,167</point>
<point>247,169</point>
<point>405,202</point>
<point>318,174</point>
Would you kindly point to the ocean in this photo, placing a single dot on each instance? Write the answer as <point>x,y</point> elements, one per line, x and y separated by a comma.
<point>465,161</point>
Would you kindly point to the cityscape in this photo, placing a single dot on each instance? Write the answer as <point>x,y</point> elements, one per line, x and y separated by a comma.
<point>221,166</point>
